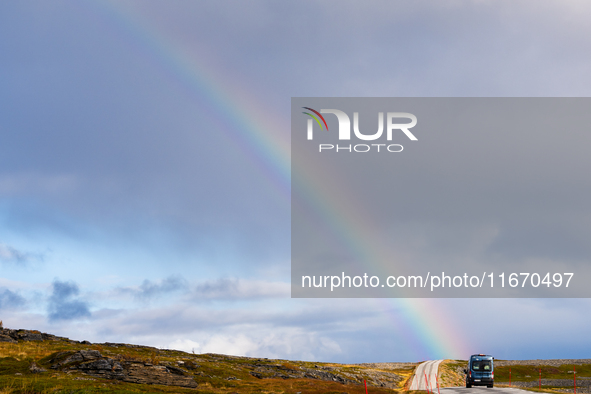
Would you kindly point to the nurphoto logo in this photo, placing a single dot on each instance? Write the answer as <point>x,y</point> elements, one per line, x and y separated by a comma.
<point>344,132</point>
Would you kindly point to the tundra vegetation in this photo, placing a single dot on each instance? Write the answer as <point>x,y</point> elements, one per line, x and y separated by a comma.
<point>35,362</point>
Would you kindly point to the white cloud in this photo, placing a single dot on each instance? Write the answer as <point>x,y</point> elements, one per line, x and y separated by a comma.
<point>185,345</point>
<point>263,341</point>
<point>239,345</point>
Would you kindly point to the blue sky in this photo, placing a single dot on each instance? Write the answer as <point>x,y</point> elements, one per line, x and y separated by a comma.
<point>134,207</point>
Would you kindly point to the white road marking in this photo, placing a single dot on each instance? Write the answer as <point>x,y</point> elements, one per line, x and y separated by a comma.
<point>425,373</point>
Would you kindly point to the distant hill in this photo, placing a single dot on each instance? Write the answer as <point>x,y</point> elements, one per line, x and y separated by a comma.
<point>32,361</point>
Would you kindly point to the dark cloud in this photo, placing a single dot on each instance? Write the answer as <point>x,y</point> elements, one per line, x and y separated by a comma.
<point>10,299</point>
<point>104,136</point>
<point>63,304</point>
<point>177,160</point>
<point>388,48</point>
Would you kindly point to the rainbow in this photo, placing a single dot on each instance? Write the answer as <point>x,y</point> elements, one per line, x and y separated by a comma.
<point>422,323</point>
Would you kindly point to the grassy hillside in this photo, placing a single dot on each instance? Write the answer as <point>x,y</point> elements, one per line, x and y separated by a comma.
<point>527,373</point>
<point>34,362</point>
<point>451,373</point>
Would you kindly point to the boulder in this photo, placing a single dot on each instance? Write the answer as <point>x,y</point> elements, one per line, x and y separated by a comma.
<point>6,338</point>
<point>36,369</point>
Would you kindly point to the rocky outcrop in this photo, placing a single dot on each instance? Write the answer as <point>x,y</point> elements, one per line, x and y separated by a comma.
<point>263,371</point>
<point>157,374</point>
<point>6,338</point>
<point>11,335</point>
<point>330,374</point>
<point>92,363</point>
<point>36,369</point>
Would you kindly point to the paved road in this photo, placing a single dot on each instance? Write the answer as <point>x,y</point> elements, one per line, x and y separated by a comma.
<point>425,372</point>
<point>482,390</point>
<point>429,368</point>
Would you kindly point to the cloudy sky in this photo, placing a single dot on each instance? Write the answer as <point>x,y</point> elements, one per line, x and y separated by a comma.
<point>144,167</point>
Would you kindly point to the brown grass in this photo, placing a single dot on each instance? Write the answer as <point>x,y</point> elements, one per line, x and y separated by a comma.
<point>25,350</point>
<point>210,371</point>
<point>448,374</point>
<point>288,365</point>
<point>154,359</point>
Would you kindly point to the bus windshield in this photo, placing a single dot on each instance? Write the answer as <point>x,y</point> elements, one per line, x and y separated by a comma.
<point>484,365</point>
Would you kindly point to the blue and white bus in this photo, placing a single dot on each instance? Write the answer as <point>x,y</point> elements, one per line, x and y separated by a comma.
<point>480,371</point>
